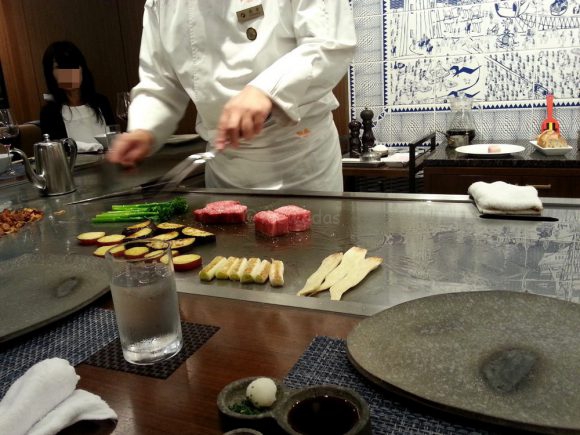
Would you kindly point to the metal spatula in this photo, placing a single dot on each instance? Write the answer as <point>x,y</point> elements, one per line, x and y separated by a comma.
<point>168,182</point>
<point>179,172</point>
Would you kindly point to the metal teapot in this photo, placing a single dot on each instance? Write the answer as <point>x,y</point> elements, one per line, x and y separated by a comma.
<point>53,175</point>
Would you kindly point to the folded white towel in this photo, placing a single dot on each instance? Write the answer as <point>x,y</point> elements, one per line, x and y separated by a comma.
<point>504,198</point>
<point>44,401</point>
<point>88,147</point>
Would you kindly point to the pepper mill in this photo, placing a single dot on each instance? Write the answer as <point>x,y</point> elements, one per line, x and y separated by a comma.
<point>354,140</point>
<point>368,138</point>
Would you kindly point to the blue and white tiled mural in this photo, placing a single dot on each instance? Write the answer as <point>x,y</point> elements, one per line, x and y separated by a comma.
<point>413,55</point>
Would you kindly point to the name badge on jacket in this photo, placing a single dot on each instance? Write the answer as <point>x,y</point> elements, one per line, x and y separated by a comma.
<point>250,13</point>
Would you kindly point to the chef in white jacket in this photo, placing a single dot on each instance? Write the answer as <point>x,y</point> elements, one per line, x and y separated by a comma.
<point>243,62</point>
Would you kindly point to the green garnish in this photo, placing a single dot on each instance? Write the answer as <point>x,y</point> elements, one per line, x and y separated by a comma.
<point>245,407</point>
<point>158,211</point>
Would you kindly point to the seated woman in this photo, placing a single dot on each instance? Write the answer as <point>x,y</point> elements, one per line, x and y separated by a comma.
<point>76,109</point>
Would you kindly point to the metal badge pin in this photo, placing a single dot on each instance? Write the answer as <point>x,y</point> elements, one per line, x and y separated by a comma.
<point>251,33</point>
<point>250,13</point>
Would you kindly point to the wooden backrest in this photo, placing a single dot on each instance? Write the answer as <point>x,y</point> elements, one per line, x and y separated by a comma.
<point>29,135</point>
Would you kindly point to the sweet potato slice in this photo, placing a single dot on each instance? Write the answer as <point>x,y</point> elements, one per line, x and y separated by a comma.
<point>90,238</point>
<point>186,262</point>
<point>112,239</point>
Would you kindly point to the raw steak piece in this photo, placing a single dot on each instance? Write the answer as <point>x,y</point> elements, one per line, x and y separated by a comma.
<point>222,212</point>
<point>271,223</point>
<point>221,204</point>
<point>299,219</point>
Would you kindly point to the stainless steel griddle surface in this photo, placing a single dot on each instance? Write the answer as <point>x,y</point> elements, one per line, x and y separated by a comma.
<point>430,244</point>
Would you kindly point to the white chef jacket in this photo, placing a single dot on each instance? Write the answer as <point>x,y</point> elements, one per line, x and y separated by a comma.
<point>198,49</point>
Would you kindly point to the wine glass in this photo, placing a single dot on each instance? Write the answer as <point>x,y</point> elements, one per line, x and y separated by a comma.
<point>123,102</point>
<point>9,132</point>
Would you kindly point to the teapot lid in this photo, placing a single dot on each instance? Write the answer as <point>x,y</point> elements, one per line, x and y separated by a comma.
<point>47,141</point>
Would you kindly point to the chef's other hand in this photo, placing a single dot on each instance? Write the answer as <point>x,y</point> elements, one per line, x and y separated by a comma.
<point>130,148</point>
<point>243,116</point>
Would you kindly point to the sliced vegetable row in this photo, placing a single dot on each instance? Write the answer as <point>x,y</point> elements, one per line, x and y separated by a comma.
<point>166,231</point>
<point>245,270</point>
<point>181,239</point>
<point>181,262</point>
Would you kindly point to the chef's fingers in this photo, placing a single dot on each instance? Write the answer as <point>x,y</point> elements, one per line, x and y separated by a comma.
<point>259,120</point>
<point>232,128</point>
<point>222,136</point>
<point>247,127</point>
<point>130,148</point>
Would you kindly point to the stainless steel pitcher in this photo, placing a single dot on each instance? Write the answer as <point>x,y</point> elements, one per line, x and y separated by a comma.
<point>53,174</point>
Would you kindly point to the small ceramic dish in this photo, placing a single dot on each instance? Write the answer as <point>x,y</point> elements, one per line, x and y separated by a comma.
<point>551,151</point>
<point>381,150</point>
<point>328,409</point>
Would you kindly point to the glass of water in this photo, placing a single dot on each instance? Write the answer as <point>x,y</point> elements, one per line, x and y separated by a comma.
<point>145,300</point>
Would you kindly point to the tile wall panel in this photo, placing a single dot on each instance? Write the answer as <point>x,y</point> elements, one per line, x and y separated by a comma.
<point>413,55</point>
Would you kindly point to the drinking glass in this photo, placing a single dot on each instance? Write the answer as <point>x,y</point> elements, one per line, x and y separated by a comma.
<point>123,102</point>
<point>145,301</point>
<point>111,131</point>
<point>9,131</point>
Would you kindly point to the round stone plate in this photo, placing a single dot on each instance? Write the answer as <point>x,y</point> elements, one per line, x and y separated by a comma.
<point>504,357</point>
<point>37,289</point>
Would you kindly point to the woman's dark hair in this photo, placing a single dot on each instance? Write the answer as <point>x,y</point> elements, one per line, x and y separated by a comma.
<point>67,55</point>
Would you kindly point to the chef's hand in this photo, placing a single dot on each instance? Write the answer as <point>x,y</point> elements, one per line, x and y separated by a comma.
<point>130,148</point>
<point>243,116</point>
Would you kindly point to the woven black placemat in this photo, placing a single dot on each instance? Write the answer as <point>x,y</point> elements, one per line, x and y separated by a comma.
<point>74,339</point>
<point>194,336</point>
<point>326,362</point>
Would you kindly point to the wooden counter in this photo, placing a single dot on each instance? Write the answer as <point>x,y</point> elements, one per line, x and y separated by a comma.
<point>448,172</point>
<point>253,340</point>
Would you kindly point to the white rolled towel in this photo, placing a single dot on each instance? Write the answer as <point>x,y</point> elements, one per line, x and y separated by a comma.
<point>88,147</point>
<point>44,400</point>
<point>503,198</point>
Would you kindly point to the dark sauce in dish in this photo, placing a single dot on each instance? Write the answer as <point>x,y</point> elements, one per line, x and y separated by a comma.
<point>323,415</point>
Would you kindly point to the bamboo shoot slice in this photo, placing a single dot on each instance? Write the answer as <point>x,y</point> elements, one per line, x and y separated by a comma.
<point>349,261</point>
<point>314,280</point>
<point>354,276</point>
<point>276,273</point>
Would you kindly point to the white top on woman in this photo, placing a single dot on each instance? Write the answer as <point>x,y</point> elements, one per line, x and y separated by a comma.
<point>82,126</point>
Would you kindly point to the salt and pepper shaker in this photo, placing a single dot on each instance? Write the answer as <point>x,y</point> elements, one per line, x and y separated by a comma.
<point>368,138</point>
<point>354,140</point>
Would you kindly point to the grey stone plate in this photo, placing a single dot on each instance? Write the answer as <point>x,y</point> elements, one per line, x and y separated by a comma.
<point>36,289</point>
<point>505,357</point>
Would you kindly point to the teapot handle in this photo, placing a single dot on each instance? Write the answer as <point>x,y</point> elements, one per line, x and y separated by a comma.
<point>72,152</point>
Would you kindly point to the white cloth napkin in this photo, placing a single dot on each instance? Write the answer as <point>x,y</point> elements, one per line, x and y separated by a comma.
<point>88,147</point>
<point>506,199</point>
<point>44,401</point>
